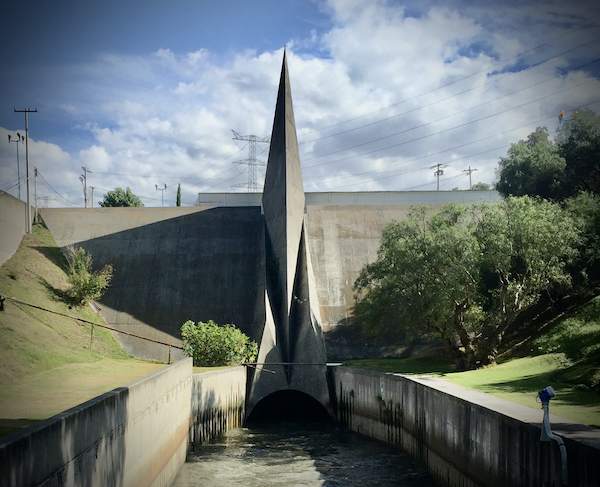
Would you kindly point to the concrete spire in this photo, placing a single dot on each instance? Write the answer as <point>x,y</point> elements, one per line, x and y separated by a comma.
<point>292,341</point>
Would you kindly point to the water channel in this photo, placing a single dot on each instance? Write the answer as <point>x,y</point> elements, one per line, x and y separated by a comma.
<point>299,455</point>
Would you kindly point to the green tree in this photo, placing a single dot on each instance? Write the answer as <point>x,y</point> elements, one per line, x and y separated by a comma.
<point>179,195</point>
<point>480,187</point>
<point>212,345</point>
<point>120,197</point>
<point>526,246</point>
<point>85,283</point>
<point>532,167</point>
<point>585,209</point>
<point>578,143</point>
<point>425,281</point>
<point>466,275</point>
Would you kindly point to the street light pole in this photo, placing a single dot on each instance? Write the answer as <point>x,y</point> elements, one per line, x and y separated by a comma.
<point>27,111</point>
<point>162,198</point>
<point>21,139</point>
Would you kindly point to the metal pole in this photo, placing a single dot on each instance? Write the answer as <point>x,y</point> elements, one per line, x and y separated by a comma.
<point>36,202</point>
<point>27,170</point>
<point>92,197</point>
<point>28,209</point>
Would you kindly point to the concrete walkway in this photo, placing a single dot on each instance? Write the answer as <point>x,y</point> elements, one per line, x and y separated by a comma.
<point>561,426</point>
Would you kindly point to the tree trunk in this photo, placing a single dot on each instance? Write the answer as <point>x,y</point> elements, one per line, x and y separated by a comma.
<point>470,362</point>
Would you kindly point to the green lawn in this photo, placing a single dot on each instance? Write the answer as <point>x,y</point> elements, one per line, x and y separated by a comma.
<point>46,364</point>
<point>516,380</point>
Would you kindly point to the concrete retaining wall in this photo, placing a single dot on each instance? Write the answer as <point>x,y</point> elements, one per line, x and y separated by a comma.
<point>13,225</point>
<point>170,265</point>
<point>218,403</point>
<point>135,435</point>
<point>462,443</point>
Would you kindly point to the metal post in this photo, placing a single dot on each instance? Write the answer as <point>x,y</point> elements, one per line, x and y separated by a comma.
<point>84,181</point>
<point>36,203</point>
<point>162,190</point>
<point>92,197</point>
<point>28,209</point>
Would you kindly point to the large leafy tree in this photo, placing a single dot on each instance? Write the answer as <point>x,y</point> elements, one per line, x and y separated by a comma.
<point>555,170</point>
<point>532,167</point>
<point>578,142</point>
<point>466,275</point>
<point>120,197</point>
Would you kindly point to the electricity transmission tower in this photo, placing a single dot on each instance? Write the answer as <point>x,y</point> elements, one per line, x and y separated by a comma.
<point>251,162</point>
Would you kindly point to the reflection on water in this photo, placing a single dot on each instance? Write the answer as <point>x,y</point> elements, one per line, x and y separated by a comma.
<point>291,455</point>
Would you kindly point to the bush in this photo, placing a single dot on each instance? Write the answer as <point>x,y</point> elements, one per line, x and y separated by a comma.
<point>211,345</point>
<point>86,284</point>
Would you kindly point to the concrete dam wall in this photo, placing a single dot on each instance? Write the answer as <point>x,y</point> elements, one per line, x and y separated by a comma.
<point>201,263</point>
<point>175,264</point>
<point>170,265</point>
<point>138,435</point>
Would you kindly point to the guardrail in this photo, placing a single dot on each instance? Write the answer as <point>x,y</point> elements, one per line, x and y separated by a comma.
<point>81,320</point>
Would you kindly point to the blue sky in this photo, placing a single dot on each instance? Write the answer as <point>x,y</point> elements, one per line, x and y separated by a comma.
<point>145,93</point>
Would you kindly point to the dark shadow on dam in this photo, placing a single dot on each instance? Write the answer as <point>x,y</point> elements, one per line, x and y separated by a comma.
<point>200,266</point>
<point>288,406</point>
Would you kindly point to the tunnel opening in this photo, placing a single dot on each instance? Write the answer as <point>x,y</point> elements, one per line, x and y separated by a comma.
<point>288,406</point>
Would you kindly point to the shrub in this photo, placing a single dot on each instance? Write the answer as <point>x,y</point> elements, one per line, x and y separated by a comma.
<point>212,345</point>
<point>85,283</point>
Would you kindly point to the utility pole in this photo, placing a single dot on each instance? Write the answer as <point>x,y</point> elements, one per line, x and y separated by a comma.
<point>21,139</point>
<point>439,171</point>
<point>469,171</point>
<point>35,171</point>
<point>92,197</point>
<point>162,198</point>
<point>252,162</point>
<point>83,179</point>
<point>27,111</point>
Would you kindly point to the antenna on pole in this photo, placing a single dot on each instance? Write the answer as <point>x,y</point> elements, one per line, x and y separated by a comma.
<point>251,162</point>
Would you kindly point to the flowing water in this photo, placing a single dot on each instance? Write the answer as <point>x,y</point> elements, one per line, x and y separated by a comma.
<point>299,455</point>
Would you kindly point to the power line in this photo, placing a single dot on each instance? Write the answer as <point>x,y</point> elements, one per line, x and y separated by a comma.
<point>454,82</point>
<point>57,193</point>
<point>452,128</point>
<point>458,113</point>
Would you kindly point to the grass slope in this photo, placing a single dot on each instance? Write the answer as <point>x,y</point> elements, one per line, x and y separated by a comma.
<point>567,358</point>
<point>46,365</point>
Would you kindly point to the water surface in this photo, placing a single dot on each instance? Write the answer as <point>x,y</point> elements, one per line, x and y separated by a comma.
<point>299,455</point>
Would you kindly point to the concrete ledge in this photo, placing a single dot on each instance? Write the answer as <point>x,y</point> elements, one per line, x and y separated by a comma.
<point>135,435</point>
<point>463,437</point>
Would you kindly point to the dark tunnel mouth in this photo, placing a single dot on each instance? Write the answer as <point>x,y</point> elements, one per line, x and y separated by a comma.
<point>288,406</point>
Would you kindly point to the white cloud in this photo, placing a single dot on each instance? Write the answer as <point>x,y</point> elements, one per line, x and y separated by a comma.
<point>382,97</point>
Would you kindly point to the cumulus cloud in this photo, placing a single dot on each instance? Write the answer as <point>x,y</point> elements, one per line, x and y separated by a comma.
<point>380,98</point>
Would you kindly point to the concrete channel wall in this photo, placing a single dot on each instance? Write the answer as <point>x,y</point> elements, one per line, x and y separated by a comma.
<point>218,403</point>
<point>462,443</point>
<point>136,435</point>
<point>13,225</point>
